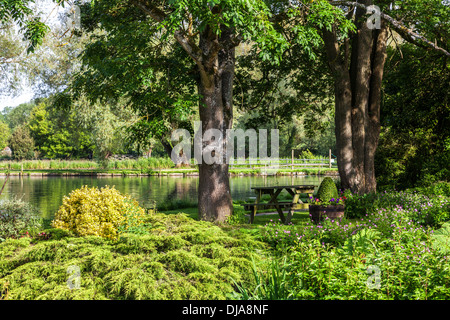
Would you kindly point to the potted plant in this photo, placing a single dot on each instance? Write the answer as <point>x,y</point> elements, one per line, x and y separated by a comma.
<point>327,202</point>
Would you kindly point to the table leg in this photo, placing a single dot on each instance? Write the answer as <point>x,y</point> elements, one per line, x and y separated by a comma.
<point>274,195</point>
<point>295,198</point>
<point>280,213</point>
<point>255,208</point>
<point>273,201</point>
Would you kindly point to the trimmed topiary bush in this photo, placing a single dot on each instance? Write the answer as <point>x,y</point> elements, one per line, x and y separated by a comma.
<point>18,217</point>
<point>101,212</point>
<point>327,190</point>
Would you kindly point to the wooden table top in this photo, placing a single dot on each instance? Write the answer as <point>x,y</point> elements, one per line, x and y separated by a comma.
<point>301,186</point>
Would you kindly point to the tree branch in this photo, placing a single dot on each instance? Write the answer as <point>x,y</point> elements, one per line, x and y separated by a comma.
<point>159,16</point>
<point>406,33</point>
<point>331,47</point>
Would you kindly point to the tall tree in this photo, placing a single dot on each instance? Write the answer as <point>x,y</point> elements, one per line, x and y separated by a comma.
<point>57,133</point>
<point>207,33</point>
<point>22,143</point>
<point>357,64</point>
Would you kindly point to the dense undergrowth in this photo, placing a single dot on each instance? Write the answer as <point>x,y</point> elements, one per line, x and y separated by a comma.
<point>396,246</point>
<point>382,249</point>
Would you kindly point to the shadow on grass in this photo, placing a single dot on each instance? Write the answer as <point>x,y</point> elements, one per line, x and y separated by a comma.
<point>299,218</point>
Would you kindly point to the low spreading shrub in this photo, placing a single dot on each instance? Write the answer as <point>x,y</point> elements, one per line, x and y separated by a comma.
<point>17,218</point>
<point>101,212</point>
<point>178,259</point>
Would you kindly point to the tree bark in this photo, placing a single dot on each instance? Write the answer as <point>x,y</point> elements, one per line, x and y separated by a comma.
<point>358,75</point>
<point>216,90</point>
<point>360,72</point>
<point>343,107</point>
<point>373,121</point>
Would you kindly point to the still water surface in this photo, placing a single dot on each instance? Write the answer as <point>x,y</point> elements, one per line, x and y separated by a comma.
<point>47,193</point>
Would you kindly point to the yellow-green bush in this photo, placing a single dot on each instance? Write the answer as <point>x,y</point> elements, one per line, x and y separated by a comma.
<point>101,212</point>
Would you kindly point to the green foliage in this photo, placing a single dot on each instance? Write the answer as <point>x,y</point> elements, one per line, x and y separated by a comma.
<point>414,143</point>
<point>107,124</point>
<point>280,236</point>
<point>19,12</point>
<point>288,98</point>
<point>101,212</point>
<point>425,209</point>
<point>327,190</point>
<point>362,241</point>
<point>22,143</point>
<point>179,258</point>
<point>144,165</point>
<point>321,272</point>
<point>18,218</point>
<point>436,189</point>
<point>441,238</point>
<point>238,217</point>
<point>5,134</point>
<point>384,255</point>
<point>57,134</point>
<point>18,116</point>
<point>160,64</point>
<point>306,154</point>
<point>272,281</point>
<point>10,48</point>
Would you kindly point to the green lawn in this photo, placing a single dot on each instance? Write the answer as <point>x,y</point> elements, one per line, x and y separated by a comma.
<point>299,218</point>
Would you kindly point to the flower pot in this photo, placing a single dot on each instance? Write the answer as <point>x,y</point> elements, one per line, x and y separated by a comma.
<point>318,212</point>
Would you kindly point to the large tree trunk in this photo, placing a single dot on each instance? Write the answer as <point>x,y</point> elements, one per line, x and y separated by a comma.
<point>215,88</point>
<point>358,75</point>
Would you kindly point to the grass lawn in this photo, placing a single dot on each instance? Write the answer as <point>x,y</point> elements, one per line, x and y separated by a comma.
<point>262,217</point>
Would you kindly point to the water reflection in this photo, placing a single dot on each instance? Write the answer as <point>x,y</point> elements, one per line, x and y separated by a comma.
<point>47,192</point>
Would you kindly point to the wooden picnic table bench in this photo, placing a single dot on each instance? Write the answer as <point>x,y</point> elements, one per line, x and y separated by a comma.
<point>274,191</point>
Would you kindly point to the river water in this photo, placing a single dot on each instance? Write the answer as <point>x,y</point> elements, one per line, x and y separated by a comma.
<point>46,193</point>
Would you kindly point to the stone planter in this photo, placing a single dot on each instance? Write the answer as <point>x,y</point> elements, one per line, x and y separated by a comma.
<point>319,212</point>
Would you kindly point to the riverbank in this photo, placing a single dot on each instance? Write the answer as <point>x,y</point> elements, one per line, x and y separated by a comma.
<point>164,172</point>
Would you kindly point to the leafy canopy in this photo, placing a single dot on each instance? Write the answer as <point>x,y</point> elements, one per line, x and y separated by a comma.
<point>21,13</point>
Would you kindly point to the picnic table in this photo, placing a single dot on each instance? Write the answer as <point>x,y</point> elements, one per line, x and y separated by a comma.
<point>274,191</point>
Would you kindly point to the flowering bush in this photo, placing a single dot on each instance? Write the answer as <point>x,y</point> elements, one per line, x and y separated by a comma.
<point>280,235</point>
<point>393,233</point>
<point>388,223</point>
<point>101,212</point>
<point>405,271</point>
<point>332,201</point>
<point>432,210</point>
<point>330,260</point>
